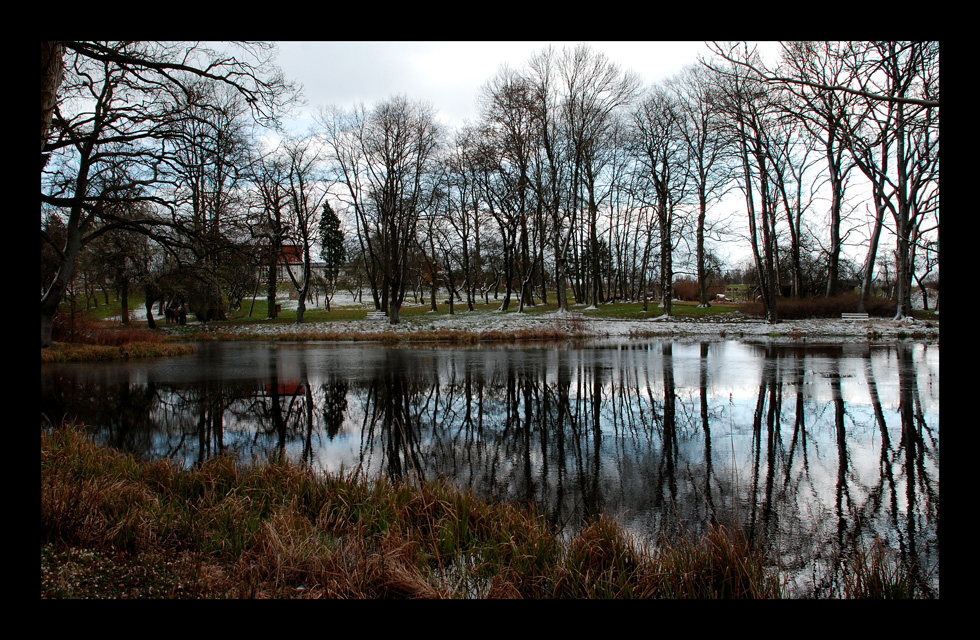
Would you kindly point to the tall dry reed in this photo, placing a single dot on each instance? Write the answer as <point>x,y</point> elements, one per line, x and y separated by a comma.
<point>282,531</point>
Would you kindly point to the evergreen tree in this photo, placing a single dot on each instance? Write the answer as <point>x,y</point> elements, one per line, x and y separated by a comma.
<point>332,248</point>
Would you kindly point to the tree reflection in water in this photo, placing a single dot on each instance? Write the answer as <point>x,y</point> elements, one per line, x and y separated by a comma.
<point>666,438</point>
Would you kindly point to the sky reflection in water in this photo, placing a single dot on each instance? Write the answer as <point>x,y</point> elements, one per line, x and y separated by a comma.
<point>814,450</point>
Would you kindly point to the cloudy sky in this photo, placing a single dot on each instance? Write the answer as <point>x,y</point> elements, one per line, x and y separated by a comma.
<point>448,75</point>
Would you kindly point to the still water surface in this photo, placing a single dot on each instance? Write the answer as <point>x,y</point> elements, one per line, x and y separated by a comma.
<point>815,450</point>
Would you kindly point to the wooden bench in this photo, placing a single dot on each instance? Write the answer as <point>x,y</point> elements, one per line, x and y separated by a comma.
<point>853,316</point>
<point>377,315</point>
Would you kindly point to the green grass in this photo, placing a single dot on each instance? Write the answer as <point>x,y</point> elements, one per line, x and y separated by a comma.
<point>112,527</point>
<point>418,317</point>
<point>789,308</point>
<point>613,310</point>
<point>288,316</point>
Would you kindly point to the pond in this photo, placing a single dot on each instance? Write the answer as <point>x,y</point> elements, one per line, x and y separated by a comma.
<point>814,450</point>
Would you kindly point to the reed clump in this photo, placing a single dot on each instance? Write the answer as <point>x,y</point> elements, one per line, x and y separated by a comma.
<point>721,564</point>
<point>87,340</point>
<point>113,527</point>
<point>83,330</point>
<point>870,576</point>
<point>66,352</point>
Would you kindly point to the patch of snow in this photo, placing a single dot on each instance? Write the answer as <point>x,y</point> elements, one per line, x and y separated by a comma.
<point>727,326</point>
<point>720,327</point>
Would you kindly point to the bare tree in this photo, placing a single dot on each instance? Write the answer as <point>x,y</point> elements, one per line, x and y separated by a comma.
<point>896,141</point>
<point>593,89</point>
<point>550,180</point>
<point>660,151</point>
<point>808,66</point>
<point>211,149</point>
<point>463,215</point>
<point>114,113</point>
<point>381,159</point>
<point>749,114</point>
<point>879,100</point>
<point>306,196</point>
<point>269,174</point>
<point>508,153</point>
<point>790,165</point>
<point>707,168</point>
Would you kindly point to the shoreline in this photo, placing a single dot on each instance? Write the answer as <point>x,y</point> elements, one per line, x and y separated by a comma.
<point>724,328</point>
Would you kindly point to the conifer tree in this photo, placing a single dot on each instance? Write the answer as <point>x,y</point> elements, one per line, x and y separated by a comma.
<point>332,248</point>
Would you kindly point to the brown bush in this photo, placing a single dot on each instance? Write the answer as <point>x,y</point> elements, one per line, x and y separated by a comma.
<point>89,331</point>
<point>686,289</point>
<point>822,307</point>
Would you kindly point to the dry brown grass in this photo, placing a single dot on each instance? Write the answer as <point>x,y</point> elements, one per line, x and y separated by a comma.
<point>88,340</point>
<point>97,332</point>
<point>113,527</point>
<point>66,352</point>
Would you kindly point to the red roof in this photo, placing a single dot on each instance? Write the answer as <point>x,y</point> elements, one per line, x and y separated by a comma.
<point>286,388</point>
<point>291,254</point>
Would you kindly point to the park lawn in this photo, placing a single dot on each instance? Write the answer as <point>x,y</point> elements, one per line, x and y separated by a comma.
<point>618,310</point>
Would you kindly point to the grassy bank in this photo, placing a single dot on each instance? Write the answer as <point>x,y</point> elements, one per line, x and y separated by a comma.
<point>87,339</point>
<point>445,336</point>
<point>115,528</point>
<point>67,352</point>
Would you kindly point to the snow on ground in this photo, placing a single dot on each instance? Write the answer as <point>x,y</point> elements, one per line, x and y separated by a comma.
<point>730,326</point>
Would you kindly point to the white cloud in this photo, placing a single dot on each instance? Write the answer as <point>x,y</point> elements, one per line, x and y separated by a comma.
<point>446,74</point>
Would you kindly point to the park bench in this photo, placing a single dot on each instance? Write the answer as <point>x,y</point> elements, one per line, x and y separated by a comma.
<point>853,316</point>
<point>377,315</point>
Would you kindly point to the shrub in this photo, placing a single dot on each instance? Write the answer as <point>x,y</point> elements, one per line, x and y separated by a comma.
<point>686,289</point>
<point>96,332</point>
<point>822,307</point>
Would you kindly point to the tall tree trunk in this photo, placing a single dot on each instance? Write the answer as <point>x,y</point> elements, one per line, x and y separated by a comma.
<point>304,290</point>
<point>869,267</point>
<point>560,291</point>
<point>124,301</point>
<point>903,279</point>
<point>73,245</point>
<point>150,322</point>
<point>56,291</point>
<point>596,290</point>
<point>702,267</point>
<point>837,196</point>
<point>271,279</point>
<point>540,249</point>
<point>393,301</point>
<point>903,224</point>
<point>52,71</point>
<point>666,263</point>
